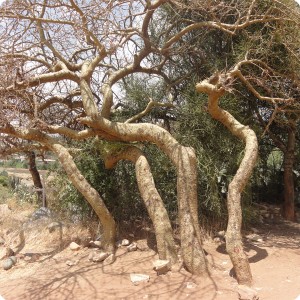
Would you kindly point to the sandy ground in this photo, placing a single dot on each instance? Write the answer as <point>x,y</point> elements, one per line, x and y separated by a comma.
<point>274,262</point>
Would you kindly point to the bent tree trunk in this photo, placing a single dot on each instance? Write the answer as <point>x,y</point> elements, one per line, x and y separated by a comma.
<point>162,226</point>
<point>234,244</point>
<point>288,177</point>
<point>36,178</point>
<point>90,194</point>
<point>184,160</point>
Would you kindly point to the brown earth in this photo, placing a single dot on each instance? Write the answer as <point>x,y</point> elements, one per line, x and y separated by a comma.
<point>274,262</point>
<point>272,247</point>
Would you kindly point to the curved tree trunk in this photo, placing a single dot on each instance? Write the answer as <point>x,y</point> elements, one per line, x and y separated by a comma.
<point>90,194</point>
<point>234,244</point>
<point>288,177</point>
<point>184,160</point>
<point>163,231</point>
<point>36,178</point>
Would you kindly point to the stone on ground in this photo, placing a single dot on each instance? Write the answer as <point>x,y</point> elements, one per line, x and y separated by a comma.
<point>247,293</point>
<point>132,247</point>
<point>99,257</point>
<point>138,278</point>
<point>162,266</point>
<point>74,246</point>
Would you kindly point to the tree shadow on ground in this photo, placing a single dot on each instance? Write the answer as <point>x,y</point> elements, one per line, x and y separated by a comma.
<point>88,280</point>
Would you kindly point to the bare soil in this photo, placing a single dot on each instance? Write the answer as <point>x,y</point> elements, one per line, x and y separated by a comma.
<point>274,259</point>
<point>274,262</point>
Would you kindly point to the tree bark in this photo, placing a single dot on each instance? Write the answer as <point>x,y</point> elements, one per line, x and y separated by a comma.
<point>162,226</point>
<point>91,195</point>
<point>36,178</point>
<point>234,244</point>
<point>288,211</point>
<point>185,162</point>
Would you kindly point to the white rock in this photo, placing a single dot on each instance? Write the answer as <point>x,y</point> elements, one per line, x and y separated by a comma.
<point>99,257</point>
<point>95,244</point>
<point>138,278</point>
<point>191,285</point>
<point>132,247</point>
<point>161,266</point>
<point>71,263</point>
<point>74,246</point>
<point>110,259</point>
<point>125,242</point>
<point>247,293</point>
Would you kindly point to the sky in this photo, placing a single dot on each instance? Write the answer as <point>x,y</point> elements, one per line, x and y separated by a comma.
<point>298,1</point>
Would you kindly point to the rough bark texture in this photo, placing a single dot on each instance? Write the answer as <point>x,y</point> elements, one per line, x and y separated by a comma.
<point>191,243</point>
<point>36,177</point>
<point>90,194</point>
<point>162,226</point>
<point>234,245</point>
<point>288,177</point>
<point>184,160</point>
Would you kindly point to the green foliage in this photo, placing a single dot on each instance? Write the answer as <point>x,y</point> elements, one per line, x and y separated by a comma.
<point>117,187</point>
<point>3,180</point>
<point>14,163</point>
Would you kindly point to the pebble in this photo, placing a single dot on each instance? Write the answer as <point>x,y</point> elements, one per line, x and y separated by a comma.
<point>162,266</point>
<point>138,278</point>
<point>132,247</point>
<point>74,246</point>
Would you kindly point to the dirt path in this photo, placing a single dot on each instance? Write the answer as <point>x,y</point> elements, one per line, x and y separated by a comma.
<point>275,264</point>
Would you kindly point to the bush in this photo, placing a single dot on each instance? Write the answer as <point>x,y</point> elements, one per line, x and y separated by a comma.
<point>4,181</point>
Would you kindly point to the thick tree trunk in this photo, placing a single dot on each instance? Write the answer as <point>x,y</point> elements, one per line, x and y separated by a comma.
<point>288,211</point>
<point>90,194</point>
<point>234,244</point>
<point>192,252</point>
<point>184,160</point>
<point>162,226</point>
<point>36,178</point>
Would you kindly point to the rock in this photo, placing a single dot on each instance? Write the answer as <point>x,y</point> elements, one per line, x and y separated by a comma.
<point>191,285</point>
<point>71,263</point>
<point>247,293</point>
<point>14,259</point>
<point>7,264</point>
<point>74,246</point>
<point>217,240</point>
<point>110,259</point>
<point>95,244</point>
<point>138,278</point>
<point>99,257</point>
<point>41,213</point>
<point>91,255</point>
<point>162,266</point>
<point>2,241</point>
<point>142,245</point>
<point>132,247</point>
<point>254,237</point>
<point>53,226</point>
<point>124,242</point>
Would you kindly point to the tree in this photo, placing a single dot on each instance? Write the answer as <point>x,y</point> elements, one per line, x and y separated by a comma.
<point>63,62</point>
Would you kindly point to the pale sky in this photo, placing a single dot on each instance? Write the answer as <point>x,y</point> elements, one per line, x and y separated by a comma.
<point>298,1</point>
